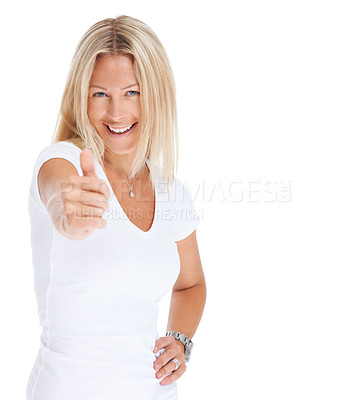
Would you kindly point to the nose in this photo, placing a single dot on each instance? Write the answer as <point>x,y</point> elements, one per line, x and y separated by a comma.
<point>116,108</point>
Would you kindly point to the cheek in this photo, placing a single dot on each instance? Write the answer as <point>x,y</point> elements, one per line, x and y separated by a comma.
<point>137,110</point>
<point>94,112</point>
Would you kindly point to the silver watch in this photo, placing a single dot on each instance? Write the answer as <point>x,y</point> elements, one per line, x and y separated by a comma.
<point>186,341</point>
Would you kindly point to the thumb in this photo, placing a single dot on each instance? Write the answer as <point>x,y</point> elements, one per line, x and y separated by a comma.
<point>87,163</point>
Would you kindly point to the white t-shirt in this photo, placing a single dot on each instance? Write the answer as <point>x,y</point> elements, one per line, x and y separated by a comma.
<point>98,297</point>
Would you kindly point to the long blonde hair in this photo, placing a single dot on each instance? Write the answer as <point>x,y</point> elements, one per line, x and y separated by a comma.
<point>158,142</point>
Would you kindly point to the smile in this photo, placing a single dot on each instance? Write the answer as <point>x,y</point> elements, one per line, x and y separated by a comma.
<point>122,131</point>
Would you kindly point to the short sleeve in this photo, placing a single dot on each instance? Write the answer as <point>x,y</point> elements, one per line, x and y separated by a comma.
<point>186,218</point>
<point>66,150</point>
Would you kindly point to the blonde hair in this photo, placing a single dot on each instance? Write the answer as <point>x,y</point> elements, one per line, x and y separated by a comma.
<point>158,141</point>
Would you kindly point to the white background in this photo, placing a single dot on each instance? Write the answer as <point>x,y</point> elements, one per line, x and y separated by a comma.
<point>261,91</point>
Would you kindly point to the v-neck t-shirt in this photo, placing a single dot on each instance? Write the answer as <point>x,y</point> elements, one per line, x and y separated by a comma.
<point>98,297</point>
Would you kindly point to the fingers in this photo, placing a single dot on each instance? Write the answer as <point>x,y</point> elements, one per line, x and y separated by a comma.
<point>86,212</point>
<point>164,364</point>
<point>163,341</point>
<point>81,219</point>
<point>96,185</point>
<point>78,231</point>
<point>88,184</point>
<point>89,198</point>
<point>84,200</point>
<point>87,163</point>
<point>85,219</point>
<point>172,376</point>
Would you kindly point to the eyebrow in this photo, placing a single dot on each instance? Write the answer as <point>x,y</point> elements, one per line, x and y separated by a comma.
<point>127,87</point>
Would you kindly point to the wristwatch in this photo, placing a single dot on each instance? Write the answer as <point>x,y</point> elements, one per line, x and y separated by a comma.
<point>186,341</point>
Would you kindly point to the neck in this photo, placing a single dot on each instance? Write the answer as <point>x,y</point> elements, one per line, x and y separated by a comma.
<point>122,162</point>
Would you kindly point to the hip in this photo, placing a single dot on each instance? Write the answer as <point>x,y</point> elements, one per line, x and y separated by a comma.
<point>55,376</point>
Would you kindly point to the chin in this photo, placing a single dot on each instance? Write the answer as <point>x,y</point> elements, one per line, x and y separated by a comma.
<point>121,148</point>
<point>119,145</point>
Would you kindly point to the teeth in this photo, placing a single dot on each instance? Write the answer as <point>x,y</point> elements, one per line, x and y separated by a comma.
<point>119,130</point>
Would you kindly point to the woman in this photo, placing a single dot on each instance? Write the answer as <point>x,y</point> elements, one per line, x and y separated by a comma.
<point>113,230</point>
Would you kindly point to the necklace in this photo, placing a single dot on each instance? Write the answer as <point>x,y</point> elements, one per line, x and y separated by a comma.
<point>131,194</point>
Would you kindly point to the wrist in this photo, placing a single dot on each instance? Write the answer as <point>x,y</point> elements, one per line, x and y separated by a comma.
<point>182,346</point>
<point>186,343</point>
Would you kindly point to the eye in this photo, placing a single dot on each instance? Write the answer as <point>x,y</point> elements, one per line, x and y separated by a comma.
<point>98,94</point>
<point>133,93</point>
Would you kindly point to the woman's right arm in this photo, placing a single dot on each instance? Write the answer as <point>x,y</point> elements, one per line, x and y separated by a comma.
<point>75,203</point>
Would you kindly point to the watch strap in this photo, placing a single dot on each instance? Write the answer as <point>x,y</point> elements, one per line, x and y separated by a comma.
<point>186,341</point>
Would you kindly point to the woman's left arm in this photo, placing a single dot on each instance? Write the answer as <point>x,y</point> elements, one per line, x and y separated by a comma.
<point>186,308</point>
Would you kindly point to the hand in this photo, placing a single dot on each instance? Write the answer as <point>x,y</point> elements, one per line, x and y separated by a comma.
<point>84,201</point>
<point>163,365</point>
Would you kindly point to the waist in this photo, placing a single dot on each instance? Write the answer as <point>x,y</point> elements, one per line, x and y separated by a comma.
<point>74,317</point>
<point>120,349</point>
<point>88,372</point>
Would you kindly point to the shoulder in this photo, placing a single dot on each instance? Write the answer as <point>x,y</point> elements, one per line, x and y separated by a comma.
<point>179,191</point>
<point>63,149</point>
<point>186,219</point>
<point>62,146</point>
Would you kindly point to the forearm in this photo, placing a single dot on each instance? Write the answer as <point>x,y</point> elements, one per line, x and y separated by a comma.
<point>54,209</point>
<point>186,309</point>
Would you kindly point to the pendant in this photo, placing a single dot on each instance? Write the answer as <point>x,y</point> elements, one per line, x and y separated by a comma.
<point>131,193</point>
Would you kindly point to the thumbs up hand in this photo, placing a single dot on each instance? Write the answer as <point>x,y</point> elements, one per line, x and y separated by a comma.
<point>87,163</point>
<point>85,202</point>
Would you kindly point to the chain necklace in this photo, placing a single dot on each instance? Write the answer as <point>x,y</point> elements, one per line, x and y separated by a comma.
<point>131,194</point>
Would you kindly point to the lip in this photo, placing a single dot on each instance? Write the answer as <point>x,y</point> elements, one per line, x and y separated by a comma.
<point>120,127</point>
<point>120,135</point>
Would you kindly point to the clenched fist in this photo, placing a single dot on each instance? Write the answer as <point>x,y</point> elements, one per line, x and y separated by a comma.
<point>84,200</point>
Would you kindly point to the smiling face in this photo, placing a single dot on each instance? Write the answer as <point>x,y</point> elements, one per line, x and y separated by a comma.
<point>114,107</point>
